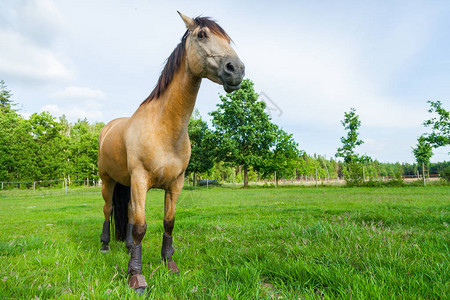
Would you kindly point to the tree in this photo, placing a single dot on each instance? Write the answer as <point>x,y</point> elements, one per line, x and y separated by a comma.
<point>283,158</point>
<point>440,125</point>
<point>244,132</point>
<point>44,148</point>
<point>351,123</point>
<point>423,152</point>
<point>47,146</point>
<point>353,161</point>
<point>5,98</point>
<point>83,149</point>
<point>202,157</point>
<point>9,122</point>
<point>16,157</point>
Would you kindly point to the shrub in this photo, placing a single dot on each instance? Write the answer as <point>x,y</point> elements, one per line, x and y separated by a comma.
<point>445,174</point>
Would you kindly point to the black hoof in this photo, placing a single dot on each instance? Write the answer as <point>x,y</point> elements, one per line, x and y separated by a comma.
<point>105,248</point>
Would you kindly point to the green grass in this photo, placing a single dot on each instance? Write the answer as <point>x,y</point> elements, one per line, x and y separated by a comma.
<point>307,243</point>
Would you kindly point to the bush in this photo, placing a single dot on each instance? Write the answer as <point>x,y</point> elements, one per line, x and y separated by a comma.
<point>445,174</point>
<point>376,183</point>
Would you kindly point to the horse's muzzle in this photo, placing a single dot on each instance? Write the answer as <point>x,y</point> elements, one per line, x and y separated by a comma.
<point>231,73</point>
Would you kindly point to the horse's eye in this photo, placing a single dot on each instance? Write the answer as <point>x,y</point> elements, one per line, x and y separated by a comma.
<point>201,34</point>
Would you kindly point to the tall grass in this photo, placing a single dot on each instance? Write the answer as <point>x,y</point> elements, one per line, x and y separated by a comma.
<point>304,243</point>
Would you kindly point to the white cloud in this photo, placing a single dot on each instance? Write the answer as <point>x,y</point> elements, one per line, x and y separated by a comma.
<point>20,58</point>
<point>72,113</point>
<point>79,92</point>
<point>38,20</point>
<point>28,34</point>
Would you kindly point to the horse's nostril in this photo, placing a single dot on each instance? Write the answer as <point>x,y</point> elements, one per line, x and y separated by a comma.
<point>230,67</point>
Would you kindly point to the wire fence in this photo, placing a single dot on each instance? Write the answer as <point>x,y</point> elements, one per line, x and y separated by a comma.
<point>64,185</point>
<point>37,184</point>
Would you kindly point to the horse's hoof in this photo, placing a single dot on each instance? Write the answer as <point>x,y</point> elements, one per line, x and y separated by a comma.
<point>138,283</point>
<point>172,266</point>
<point>104,249</point>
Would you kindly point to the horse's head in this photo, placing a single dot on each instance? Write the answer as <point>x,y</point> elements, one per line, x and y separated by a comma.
<point>209,53</point>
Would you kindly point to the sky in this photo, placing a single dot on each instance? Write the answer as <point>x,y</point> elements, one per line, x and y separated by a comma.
<point>311,60</point>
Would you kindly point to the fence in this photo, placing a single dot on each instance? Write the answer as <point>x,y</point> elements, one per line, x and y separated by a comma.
<point>314,179</point>
<point>36,184</point>
<point>302,180</point>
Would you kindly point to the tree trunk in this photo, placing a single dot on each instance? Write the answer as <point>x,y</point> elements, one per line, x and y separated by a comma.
<point>245,176</point>
<point>423,173</point>
<point>193,180</point>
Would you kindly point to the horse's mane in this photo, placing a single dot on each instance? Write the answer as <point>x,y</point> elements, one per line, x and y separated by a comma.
<point>174,60</point>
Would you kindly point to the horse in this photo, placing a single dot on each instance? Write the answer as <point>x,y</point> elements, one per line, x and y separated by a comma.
<point>151,149</point>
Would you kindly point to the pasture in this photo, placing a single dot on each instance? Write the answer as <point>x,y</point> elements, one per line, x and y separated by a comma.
<point>252,243</point>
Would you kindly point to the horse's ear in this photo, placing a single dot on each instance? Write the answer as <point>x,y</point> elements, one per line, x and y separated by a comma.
<point>190,24</point>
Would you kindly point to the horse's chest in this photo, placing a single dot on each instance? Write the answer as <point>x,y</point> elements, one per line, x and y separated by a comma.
<point>166,166</point>
<point>163,157</point>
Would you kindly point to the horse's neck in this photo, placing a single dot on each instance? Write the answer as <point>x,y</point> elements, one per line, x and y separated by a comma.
<point>175,106</point>
<point>179,99</point>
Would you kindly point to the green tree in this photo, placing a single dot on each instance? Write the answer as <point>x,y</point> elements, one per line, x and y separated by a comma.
<point>202,157</point>
<point>83,150</point>
<point>351,123</point>
<point>440,125</point>
<point>16,158</point>
<point>283,158</point>
<point>47,146</point>
<point>353,161</point>
<point>244,132</point>
<point>43,148</point>
<point>5,98</point>
<point>423,153</point>
<point>9,122</point>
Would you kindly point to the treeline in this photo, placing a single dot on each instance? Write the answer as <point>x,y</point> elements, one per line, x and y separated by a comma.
<point>245,145</point>
<point>305,168</point>
<point>43,148</point>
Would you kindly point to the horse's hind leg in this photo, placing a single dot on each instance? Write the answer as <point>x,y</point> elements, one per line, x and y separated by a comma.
<point>170,201</point>
<point>107,193</point>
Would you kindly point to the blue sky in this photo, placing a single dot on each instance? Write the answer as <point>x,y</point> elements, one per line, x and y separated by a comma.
<point>313,59</point>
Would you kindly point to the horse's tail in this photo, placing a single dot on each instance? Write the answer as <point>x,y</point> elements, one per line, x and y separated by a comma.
<point>121,197</point>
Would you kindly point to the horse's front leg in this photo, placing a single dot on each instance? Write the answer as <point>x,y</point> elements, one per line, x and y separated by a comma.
<point>139,187</point>
<point>170,201</point>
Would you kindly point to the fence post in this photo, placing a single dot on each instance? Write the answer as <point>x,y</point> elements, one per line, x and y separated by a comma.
<point>364,174</point>
<point>275,179</point>
<point>2,185</point>
<point>316,178</point>
<point>234,179</point>
<point>65,186</point>
<point>34,186</point>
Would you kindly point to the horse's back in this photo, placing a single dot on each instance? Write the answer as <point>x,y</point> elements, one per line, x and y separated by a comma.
<point>112,155</point>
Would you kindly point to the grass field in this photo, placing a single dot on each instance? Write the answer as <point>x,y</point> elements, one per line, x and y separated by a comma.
<point>288,243</point>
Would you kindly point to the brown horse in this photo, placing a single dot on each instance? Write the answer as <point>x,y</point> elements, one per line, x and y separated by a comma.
<point>152,148</point>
